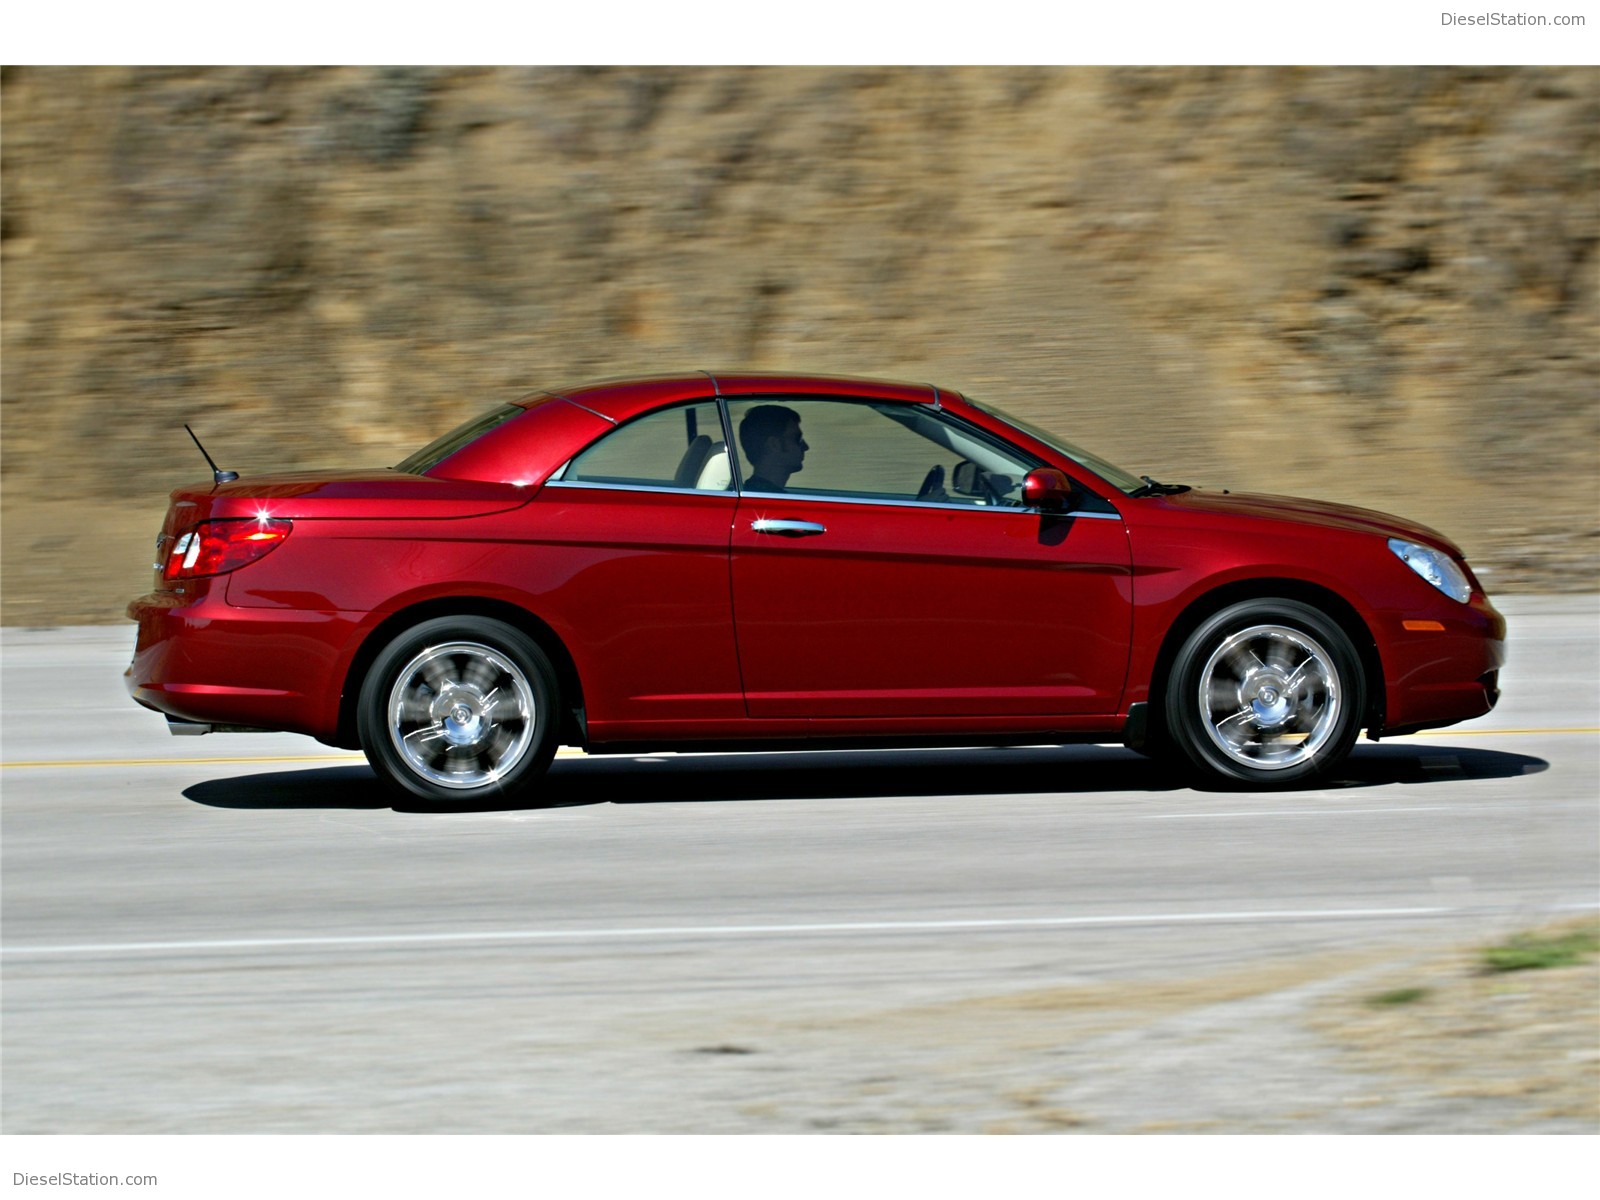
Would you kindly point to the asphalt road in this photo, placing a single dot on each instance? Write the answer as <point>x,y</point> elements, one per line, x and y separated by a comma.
<point>242,933</point>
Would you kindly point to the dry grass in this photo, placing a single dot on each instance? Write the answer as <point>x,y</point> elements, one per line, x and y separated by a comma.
<point>1481,1030</point>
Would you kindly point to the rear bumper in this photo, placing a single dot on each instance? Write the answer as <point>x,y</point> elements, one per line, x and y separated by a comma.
<point>199,660</point>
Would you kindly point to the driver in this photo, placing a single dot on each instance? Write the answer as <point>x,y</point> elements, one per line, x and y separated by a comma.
<point>769,434</point>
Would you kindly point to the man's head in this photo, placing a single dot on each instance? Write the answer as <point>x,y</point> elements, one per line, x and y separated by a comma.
<point>770,437</point>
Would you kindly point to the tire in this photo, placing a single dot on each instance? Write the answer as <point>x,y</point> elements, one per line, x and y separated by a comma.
<point>460,711</point>
<point>1264,694</point>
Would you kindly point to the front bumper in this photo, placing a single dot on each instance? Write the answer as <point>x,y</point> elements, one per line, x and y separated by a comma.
<point>1441,666</point>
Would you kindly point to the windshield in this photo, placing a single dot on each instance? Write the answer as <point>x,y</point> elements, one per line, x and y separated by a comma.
<point>1108,471</point>
<point>435,452</point>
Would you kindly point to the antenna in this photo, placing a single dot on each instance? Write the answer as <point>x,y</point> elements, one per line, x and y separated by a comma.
<point>217,473</point>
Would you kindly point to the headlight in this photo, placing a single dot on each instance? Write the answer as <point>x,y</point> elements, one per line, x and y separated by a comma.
<point>1435,566</point>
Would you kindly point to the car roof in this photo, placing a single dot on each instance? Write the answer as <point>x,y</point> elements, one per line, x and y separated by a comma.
<point>620,399</point>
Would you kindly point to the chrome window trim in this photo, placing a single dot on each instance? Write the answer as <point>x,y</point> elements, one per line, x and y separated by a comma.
<point>811,498</point>
<point>637,487</point>
<point>613,421</point>
<point>729,447</point>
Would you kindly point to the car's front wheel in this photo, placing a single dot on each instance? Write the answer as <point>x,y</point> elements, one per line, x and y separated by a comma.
<point>1265,693</point>
<point>460,711</point>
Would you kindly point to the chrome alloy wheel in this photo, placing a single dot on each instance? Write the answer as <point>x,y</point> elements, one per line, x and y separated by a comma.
<point>1269,697</point>
<point>461,714</point>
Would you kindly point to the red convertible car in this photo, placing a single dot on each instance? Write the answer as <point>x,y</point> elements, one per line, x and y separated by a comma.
<point>754,561</point>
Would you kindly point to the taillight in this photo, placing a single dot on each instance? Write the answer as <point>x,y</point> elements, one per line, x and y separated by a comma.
<point>217,547</point>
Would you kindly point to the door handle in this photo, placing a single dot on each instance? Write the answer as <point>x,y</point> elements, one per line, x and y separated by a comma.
<point>790,529</point>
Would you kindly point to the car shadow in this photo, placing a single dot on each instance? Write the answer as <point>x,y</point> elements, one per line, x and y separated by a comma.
<point>831,775</point>
<point>1374,766</point>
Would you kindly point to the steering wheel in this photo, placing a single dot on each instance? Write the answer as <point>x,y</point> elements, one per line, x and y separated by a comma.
<point>933,485</point>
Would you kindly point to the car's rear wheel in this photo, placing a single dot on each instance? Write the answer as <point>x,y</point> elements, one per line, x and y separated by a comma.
<point>460,711</point>
<point>1266,693</point>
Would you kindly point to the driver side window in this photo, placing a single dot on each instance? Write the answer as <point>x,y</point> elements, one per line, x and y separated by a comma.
<point>871,450</point>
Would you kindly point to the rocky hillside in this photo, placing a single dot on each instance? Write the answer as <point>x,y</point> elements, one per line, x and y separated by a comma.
<point>1372,285</point>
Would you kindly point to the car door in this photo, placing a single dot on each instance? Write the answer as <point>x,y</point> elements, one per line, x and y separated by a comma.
<point>870,586</point>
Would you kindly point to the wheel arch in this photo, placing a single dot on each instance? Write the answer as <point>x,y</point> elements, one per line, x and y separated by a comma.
<point>1321,598</point>
<point>573,730</point>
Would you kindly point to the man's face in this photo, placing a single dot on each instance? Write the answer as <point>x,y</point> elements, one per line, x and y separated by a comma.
<point>790,449</point>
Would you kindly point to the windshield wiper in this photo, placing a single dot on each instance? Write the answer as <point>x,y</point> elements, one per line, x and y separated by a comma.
<point>1152,488</point>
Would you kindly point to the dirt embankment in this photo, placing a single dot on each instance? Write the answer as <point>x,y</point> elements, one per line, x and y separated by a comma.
<point>1370,285</point>
<point>1376,1041</point>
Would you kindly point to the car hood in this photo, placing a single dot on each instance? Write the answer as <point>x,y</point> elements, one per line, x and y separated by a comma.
<point>1310,512</point>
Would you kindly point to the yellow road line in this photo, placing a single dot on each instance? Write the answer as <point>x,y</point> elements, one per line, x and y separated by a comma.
<point>179,762</point>
<point>1429,733</point>
<point>338,759</point>
<point>329,759</point>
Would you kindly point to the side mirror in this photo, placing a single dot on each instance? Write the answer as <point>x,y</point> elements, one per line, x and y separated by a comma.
<point>1047,489</point>
<point>967,479</point>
